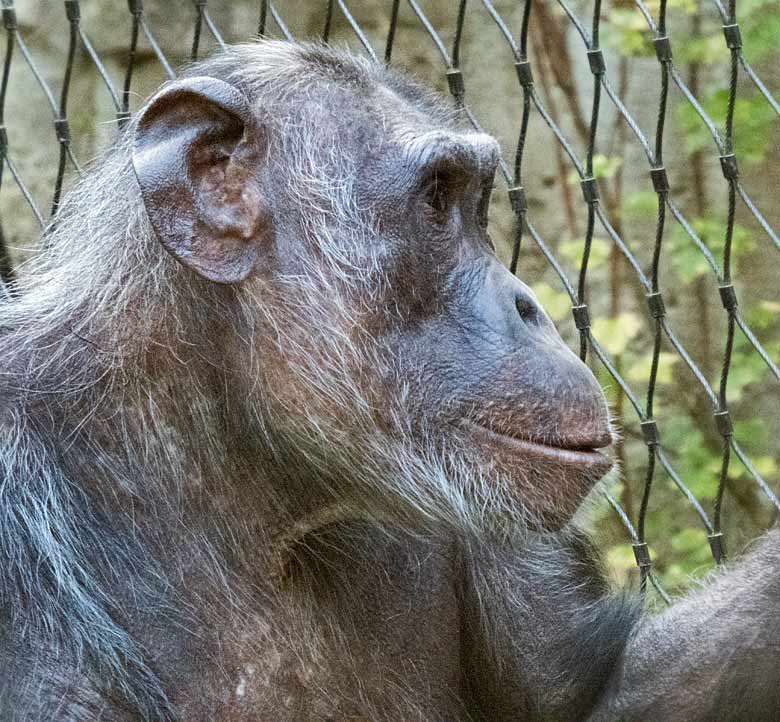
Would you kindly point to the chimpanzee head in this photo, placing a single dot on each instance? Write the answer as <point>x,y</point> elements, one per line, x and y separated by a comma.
<point>381,357</point>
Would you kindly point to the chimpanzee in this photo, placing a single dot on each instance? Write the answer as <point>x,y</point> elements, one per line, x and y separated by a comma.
<point>282,441</point>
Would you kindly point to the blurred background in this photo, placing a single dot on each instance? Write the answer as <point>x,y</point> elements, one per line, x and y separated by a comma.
<point>42,31</point>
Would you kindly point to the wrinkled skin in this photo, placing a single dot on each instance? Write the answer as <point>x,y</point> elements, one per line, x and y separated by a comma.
<point>301,449</point>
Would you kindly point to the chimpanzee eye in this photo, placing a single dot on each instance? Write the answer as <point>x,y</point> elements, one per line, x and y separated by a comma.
<point>484,204</point>
<point>436,194</point>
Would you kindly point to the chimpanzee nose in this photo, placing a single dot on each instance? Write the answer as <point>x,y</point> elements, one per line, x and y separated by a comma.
<point>512,310</point>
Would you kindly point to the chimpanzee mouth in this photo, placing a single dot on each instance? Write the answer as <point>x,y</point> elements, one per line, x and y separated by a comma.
<point>583,454</point>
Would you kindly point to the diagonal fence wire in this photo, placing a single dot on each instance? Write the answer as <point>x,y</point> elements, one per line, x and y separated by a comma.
<point>398,16</point>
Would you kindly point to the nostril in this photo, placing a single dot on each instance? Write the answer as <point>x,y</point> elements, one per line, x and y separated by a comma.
<point>527,309</point>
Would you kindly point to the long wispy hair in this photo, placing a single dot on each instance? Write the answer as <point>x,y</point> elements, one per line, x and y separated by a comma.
<point>125,378</point>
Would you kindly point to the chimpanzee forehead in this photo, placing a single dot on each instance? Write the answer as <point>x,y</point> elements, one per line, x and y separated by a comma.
<point>350,118</point>
<point>396,110</point>
<point>384,103</point>
<point>299,82</point>
<point>417,130</point>
<point>357,86</point>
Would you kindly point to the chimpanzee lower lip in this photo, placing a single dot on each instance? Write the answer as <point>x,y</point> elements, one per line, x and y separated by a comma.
<point>585,456</point>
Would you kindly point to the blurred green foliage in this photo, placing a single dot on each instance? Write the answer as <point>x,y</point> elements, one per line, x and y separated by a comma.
<point>678,540</point>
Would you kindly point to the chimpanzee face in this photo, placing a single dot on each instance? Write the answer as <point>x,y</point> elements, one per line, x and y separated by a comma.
<point>486,370</point>
<point>353,219</point>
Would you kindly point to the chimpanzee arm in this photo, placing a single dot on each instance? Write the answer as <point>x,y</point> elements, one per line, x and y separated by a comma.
<point>713,656</point>
<point>544,640</point>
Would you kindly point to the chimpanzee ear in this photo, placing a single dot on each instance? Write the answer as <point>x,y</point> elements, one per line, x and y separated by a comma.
<point>196,154</point>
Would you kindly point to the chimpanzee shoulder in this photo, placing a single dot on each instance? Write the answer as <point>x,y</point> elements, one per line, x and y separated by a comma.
<point>543,633</point>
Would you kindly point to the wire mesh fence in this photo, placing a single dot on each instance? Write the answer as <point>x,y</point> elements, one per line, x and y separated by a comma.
<point>562,94</point>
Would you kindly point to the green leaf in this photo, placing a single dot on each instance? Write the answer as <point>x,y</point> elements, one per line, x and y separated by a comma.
<point>621,559</point>
<point>640,370</point>
<point>599,251</point>
<point>764,465</point>
<point>628,34</point>
<point>614,334</point>
<point>764,314</point>
<point>697,464</point>
<point>760,25</point>
<point>753,121</point>
<point>689,262</point>
<point>603,167</point>
<point>556,303</point>
<point>640,205</point>
<point>751,432</point>
<point>705,49</point>
<point>687,6</point>
<point>690,540</point>
<point>606,166</point>
<point>747,368</point>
